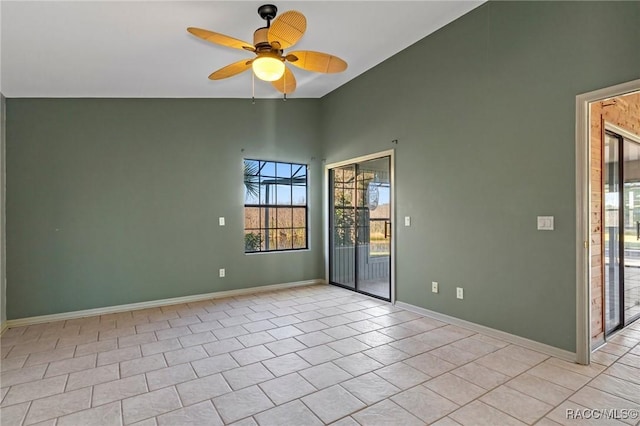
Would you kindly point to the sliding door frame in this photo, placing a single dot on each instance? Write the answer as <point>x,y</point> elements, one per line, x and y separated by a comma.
<point>620,238</point>
<point>622,136</point>
<point>326,217</point>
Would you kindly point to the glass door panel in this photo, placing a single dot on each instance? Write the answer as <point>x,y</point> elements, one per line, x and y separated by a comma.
<point>374,227</point>
<point>342,259</point>
<point>611,178</point>
<point>631,173</point>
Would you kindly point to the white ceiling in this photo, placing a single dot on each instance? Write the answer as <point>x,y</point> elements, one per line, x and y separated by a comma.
<point>132,49</point>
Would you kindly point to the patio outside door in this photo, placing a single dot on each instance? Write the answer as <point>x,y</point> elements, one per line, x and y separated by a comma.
<point>360,227</point>
<point>621,231</point>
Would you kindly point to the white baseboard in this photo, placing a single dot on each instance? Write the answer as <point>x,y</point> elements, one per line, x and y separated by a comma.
<point>488,331</point>
<point>20,322</point>
<point>492,332</point>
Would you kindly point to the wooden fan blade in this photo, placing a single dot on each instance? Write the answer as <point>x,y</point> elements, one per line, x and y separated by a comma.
<point>287,29</point>
<point>221,39</point>
<point>318,61</point>
<point>231,70</point>
<point>287,83</point>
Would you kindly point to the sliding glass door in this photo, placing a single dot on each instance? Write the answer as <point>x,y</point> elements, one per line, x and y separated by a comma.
<point>612,252</point>
<point>630,305</point>
<point>621,177</point>
<point>360,227</point>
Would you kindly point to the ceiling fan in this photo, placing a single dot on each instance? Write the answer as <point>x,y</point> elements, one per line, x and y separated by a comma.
<point>268,45</point>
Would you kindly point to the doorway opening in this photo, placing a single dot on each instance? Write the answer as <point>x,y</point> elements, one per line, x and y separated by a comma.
<point>360,225</point>
<point>608,201</point>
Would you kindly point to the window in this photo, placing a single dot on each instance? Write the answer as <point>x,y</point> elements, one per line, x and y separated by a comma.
<point>275,206</point>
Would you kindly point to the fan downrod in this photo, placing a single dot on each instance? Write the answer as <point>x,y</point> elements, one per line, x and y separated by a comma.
<point>267,12</point>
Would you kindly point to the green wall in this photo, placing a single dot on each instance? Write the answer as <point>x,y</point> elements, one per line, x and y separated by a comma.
<point>113,201</point>
<point>484,114</point>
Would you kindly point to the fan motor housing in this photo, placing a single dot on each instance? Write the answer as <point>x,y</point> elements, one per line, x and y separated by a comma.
<point>261,37</point>
<point>261,41</point>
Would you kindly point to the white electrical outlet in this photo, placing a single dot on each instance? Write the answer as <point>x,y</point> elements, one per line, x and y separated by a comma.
<point>407,221</point>
<point>221,221</point>
<point>459,293</point>
<point>222,273</point>
<point>434,287</point>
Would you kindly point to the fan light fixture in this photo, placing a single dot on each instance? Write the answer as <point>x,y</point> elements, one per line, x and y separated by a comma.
<point>269,44</point>
<point>268,68</point>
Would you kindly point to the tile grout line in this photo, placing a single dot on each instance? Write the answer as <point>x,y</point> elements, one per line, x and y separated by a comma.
<point>530,396</point>
<point>433,377</point>
<point>526,372</point>
<point>568,398</point>
<point>421,383</point>
<point>607,392</point>
<point>26,413</point>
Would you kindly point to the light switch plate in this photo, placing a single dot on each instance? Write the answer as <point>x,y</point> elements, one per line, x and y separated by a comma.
<point>221,221</point>
<point>434,286</point>
<point>545,223</point>
<point>407,221</point>
<point>459,292</point>
<point>222,273</point>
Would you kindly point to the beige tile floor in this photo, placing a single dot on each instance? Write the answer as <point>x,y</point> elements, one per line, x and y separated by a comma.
<point>306,356</point>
